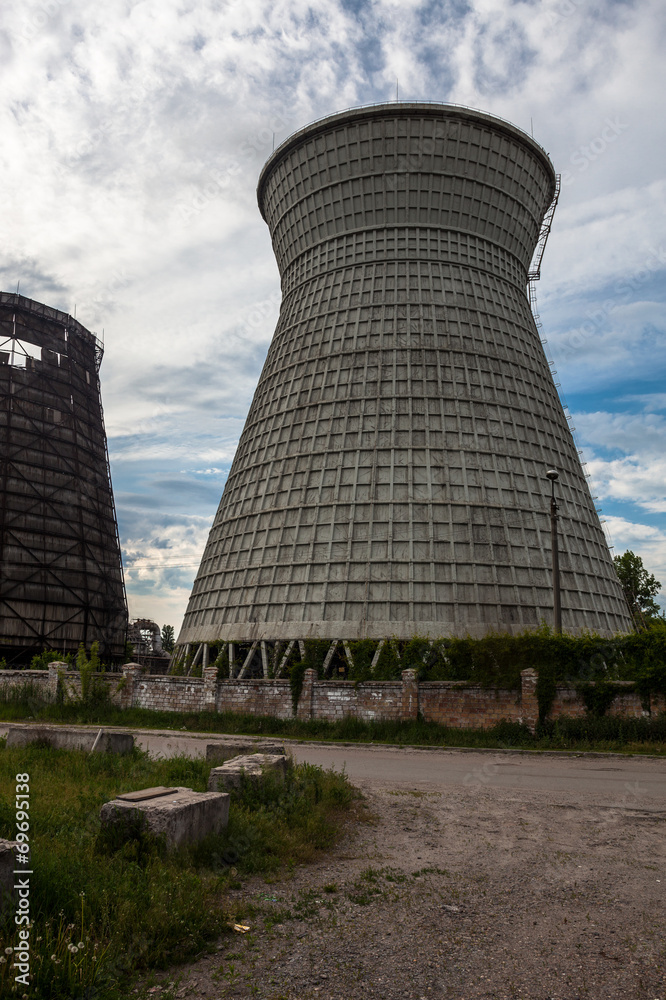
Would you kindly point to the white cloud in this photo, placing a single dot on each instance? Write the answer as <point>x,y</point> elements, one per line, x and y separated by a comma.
<point>636,475</point>
<point>635,433</point>
<point>651,402</point>
<point>160,567</point>
<point>631,480</point>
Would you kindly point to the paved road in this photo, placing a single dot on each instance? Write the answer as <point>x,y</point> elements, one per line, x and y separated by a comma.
<point>604,778</point>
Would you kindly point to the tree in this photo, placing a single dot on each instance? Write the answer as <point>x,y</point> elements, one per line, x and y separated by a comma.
<point>640,589</point>
<point>168,638</point>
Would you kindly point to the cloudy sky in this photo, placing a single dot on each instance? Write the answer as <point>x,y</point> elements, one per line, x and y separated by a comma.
<point>132,137</point>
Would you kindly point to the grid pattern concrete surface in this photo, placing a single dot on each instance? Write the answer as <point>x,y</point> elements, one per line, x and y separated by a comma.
<point>390,478</point>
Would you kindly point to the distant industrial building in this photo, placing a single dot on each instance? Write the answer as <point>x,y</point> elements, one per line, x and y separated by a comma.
<point>390,478</point>
<point>61,579</point>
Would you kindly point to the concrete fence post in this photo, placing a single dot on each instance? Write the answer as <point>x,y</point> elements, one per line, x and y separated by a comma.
<point>304,709</point>
<point>130,673</point>
<point>55,668</point>
<point>410,696</point>
<point>529,705</point>
<point>209,703</point>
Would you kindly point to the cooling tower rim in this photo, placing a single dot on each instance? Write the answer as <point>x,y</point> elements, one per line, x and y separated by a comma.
<point>35,308</point>
<point>390,110</point>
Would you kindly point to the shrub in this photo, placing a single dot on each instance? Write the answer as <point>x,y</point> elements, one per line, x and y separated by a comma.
<point>362,652</point>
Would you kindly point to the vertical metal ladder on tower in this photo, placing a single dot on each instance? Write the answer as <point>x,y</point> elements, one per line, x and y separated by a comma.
<point>533,276</point>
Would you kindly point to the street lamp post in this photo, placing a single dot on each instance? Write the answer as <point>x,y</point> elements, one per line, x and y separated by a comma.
<point>553,475</point>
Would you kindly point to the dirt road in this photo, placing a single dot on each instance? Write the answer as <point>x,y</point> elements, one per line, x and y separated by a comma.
<point>465,893</point>
<point>482,877</point>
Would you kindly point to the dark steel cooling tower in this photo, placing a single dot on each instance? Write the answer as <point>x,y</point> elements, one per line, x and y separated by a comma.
<point>390,478</point>
<point>62,581</point>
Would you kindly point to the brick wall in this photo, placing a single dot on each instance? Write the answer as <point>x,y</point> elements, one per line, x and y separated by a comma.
<point>458,704</point>
<point>15,680</point>
<point>449,703</point>
<point>333,700</point>
<point>164,693</point>
<point>258,697</point>
<point>627,703</point>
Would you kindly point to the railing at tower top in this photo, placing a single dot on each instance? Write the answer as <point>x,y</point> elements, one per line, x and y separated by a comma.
<point>546,225</point>
<point>407,104</point>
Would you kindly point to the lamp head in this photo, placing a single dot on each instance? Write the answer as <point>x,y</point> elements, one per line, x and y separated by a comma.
<point>553,475</point>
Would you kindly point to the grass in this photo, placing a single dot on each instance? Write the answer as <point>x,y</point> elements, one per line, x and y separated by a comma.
<point>106,912</point>
<point>605,733</point>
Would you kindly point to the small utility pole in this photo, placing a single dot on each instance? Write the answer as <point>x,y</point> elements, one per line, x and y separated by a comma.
<point>553,475</point>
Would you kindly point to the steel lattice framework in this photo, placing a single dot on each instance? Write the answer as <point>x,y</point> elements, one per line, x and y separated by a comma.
<point>389,480</point>
<point>62,581</point>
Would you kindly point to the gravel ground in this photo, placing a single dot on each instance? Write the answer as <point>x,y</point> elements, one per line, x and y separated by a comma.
<point>472,892</point>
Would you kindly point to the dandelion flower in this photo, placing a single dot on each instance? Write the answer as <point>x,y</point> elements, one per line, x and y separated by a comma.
<point>2,959</point>
<point>8,951</point>
<point>81,945</point>
<point>53,958</point>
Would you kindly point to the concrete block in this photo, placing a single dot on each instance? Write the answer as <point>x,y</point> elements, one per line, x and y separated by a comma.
<point>99,740</point>
<point>230,775</point>
<point>219,752</point>
<point>181,815</point>
<point>7,866</point>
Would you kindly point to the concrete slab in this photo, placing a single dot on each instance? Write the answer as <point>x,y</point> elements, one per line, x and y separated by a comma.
<point>181,815</point>
<point>220,751</point>
<point>7,866</point>
<point>147,793</point>
<point>97,740</point>
<point>251,766</point>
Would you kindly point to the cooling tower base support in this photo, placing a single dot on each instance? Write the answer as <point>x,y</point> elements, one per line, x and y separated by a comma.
<point>272,658</point>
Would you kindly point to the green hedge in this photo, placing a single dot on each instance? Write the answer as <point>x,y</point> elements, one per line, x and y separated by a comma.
<point>497,659</point>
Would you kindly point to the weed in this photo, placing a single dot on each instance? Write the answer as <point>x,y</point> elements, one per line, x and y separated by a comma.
<point>276,915</point>
<point>393,875</point>
<point>107,907</point>
<point>367,888</point>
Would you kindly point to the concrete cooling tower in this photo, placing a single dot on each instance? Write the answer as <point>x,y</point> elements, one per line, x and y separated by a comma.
<point>390,478</point>
<point>61,575</point>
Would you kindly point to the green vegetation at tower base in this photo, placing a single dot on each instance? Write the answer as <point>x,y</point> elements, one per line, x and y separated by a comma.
<point>104,912</point>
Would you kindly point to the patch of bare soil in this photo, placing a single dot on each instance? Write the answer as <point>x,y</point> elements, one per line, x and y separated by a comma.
<point>468,893</point>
